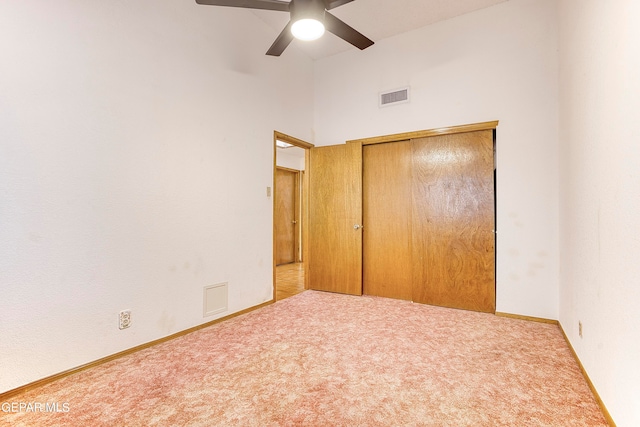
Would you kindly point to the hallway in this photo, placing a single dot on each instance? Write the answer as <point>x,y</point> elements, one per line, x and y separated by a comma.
<point>289,280</point>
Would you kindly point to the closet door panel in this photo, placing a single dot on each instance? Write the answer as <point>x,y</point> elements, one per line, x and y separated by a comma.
<point>453,220</point>
<point>387,270</point>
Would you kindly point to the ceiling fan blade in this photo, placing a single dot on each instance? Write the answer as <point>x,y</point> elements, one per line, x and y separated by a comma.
<point>281,43</point>
<point>332,4</point>
<point>345,32</point>
<point>249,4</point>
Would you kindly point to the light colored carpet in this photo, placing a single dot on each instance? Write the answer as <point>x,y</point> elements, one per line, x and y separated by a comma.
<point>320,359</point>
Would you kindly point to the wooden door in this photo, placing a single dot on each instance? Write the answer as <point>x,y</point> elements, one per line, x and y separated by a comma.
<point>386,209</point>
<point>286,215</point>
<point>428,208</point>
<point>453,221</point>
<point>335,216</point>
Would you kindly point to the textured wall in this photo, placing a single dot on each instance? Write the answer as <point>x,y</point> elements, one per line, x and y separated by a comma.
<point>499,63</point>
<point>136,145</point>
<point>600,195</point>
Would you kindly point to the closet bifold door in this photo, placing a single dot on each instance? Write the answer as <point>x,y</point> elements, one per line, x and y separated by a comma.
<point>453,243</point>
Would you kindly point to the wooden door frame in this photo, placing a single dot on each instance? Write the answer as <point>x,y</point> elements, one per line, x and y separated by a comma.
<point>304,203</point>
<point>426,133</point>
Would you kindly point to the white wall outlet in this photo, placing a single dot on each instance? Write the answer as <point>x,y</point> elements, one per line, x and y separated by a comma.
<point>125,319</point>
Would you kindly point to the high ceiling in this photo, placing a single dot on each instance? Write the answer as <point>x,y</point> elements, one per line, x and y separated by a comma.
<point>376,19</point>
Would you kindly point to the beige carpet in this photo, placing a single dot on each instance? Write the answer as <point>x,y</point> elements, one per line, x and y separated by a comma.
<point>320,359</point>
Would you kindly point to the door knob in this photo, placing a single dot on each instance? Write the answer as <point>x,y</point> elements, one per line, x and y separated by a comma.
<point>357,227</point>
<point>295,222</point>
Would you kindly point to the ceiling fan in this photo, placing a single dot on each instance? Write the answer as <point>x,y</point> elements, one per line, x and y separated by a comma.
<point>309,18</point>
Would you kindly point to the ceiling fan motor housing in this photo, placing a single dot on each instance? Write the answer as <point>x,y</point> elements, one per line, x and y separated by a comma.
<point>307,9</point>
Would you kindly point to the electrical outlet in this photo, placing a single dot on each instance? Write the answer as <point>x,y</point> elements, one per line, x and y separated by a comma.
<point>580,328</point>
<point>125,319</point>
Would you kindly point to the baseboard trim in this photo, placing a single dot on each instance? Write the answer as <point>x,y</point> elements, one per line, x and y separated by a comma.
<point>39,383</point>
<point>529,318</point>
<point>603,408</point>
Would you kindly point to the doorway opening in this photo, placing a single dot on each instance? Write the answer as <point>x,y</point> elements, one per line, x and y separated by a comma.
<point>290,215</point>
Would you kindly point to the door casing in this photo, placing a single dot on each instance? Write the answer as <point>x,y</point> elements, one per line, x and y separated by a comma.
<point>304,202</point>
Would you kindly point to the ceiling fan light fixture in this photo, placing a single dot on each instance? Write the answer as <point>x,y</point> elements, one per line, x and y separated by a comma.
<point>307,29</point>
<point>307,20</point>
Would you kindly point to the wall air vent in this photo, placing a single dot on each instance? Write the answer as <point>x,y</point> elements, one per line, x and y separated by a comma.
<point>216,299</point>
<point>399,96</point>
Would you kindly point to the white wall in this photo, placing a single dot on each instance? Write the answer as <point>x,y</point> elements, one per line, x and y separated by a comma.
<point>499,63</point>
<point>136,145</point>
<point>600,195</point>
<point>292,158</point>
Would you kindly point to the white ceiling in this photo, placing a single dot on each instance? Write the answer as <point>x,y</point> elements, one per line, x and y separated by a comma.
<point>376,19</point>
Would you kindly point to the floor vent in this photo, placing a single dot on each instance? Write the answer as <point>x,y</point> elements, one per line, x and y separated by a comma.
<point>215,299</point>
<point>395,97</point>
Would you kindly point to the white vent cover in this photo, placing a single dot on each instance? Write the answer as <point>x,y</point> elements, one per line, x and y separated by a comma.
<point>398,96</point>
<point>215,299</point>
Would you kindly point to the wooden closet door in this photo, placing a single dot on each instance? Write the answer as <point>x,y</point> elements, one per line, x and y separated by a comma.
<point>453,221</point>
<point>386,207</point>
